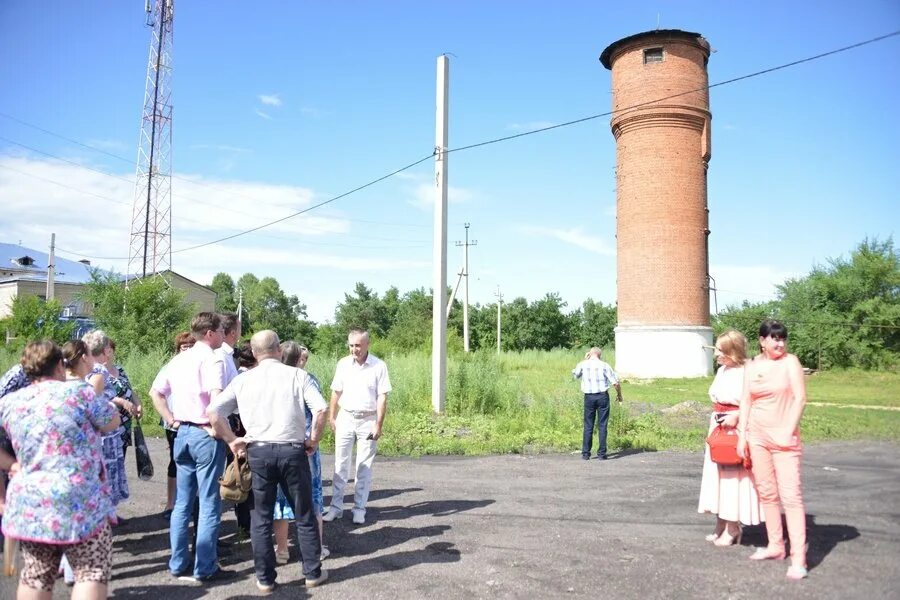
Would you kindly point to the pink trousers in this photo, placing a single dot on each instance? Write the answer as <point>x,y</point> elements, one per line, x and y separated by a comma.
<point>777,474</point>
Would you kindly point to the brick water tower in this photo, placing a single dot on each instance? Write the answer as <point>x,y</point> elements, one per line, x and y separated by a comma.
<point>661,123</point>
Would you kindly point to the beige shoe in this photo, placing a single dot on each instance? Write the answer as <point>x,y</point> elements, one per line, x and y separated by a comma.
<point>282,558</point>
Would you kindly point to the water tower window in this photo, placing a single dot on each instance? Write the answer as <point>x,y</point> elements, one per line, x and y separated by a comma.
<point>653,55</point>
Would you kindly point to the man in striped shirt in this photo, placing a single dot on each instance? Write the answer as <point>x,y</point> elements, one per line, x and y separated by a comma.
<point>596,378</point>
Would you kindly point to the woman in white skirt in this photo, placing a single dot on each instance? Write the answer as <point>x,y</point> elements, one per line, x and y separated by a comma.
<point>728,491</point>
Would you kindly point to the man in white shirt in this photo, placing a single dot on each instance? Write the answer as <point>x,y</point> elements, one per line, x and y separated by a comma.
<point>231,324</point>
<point>596,378</point>
<point>360,387</point>
<point>271,399</point>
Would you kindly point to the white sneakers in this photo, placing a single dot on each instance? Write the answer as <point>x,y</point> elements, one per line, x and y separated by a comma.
<point>359,516</point>
<point>331,514</point>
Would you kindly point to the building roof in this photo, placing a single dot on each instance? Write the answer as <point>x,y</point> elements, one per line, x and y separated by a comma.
<point>67,271</point>
<point>656,35</point>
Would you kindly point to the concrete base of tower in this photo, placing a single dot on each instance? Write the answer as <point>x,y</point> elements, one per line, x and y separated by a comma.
<point>646,351</point>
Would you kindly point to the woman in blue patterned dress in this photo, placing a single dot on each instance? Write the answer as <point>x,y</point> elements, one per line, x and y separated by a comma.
<point>59,500</point>
<point>104,385</point>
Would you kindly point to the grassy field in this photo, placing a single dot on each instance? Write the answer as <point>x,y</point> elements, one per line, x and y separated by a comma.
<point>528,403</point>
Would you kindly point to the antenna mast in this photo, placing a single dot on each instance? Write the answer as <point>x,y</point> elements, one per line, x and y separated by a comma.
<point>150,248</point>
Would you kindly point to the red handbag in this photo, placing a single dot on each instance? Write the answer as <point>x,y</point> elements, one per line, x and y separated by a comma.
<point>723,446</point>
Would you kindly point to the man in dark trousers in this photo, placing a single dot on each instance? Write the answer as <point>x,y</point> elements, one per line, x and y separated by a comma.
<point>596,378</point>
<point>271,399</point>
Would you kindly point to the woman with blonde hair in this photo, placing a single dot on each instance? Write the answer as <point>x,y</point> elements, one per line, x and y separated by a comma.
<point>728,491</point>
<point>772,404</point>
<point>98,344</point>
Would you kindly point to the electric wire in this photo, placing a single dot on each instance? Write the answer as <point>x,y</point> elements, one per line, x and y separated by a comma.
<point>694,91</point>
<point>438,151</point>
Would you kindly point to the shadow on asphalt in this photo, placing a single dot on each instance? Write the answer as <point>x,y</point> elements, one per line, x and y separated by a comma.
<point>438,552</point>
<point>821,539</point>
<point>627,452</point>
<point>435,508</point>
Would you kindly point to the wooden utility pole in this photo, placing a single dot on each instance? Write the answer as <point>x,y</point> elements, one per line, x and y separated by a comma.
<point>465,246</point>
<point>438,311</point>
<point>499,304</point>
<point>51,269</point>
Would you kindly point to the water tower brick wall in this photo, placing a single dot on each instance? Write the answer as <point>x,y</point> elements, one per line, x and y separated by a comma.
<point>663,147</point>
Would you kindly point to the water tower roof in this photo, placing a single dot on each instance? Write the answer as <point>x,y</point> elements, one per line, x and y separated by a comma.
<point>657,35</point>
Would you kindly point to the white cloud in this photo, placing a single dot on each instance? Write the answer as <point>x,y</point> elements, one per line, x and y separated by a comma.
<point>262,114</point>
<point>91,214</point>
<point>530,125</point>
<point>424,195</point>
<point>270,99</point>
<point>574,236</point>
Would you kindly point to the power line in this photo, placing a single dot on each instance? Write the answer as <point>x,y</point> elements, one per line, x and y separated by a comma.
<point>285,218</point>
<point>700,89</point>
<point>748,318</point>
<point>479,144</point>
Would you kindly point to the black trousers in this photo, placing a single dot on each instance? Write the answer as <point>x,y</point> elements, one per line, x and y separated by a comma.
<point>596,406</point>
<point>285,465</point>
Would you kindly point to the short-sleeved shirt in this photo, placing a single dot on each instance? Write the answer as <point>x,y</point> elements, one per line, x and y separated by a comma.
<point>596,376</point>
<point>271,399</point>
<point>227,354</point>
<point>361,384</point>
<point>60,495</point>
<point>188,379</point>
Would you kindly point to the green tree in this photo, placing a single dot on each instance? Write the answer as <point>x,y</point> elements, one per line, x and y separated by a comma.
<point>267,306</point>
<point>32,318</point>
<point>549,326</point>
<point>846,313</point>
<point>226,298</point>
<point>594,324</point>
<point>412,329</point>
<point>142,317</point>
<point>363,309</point>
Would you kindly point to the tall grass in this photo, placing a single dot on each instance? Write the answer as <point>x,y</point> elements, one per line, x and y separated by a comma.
<point>528,402</point>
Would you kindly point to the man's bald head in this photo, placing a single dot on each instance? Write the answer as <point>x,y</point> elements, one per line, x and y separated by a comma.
<point>595,351</point>
<point>265,344</point>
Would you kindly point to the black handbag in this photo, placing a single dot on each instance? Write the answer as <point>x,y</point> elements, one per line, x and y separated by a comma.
<point>142,454</point>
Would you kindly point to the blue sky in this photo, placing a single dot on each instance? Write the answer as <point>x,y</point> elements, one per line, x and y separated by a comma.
<point>281,105</point>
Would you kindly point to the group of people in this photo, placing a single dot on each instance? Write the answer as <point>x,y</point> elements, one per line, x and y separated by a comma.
<point>66,412</point>
<point>268,409</point>
<point>763,399</point>
<point>65,425</point>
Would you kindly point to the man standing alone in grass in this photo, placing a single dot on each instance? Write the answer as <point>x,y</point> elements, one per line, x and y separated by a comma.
<point>360,388</point>
<point>596,378</point>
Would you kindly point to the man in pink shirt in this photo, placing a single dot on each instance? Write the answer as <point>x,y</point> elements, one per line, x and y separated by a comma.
<point>190,381</point>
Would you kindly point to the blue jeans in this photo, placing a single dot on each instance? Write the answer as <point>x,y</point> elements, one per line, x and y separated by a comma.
<point>200,461</point>
<point>594,404</point>
<point>285,466</point>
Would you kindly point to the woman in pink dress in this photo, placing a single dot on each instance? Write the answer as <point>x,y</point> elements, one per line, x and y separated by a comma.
<point>728,491</point>
<point>772,404</point>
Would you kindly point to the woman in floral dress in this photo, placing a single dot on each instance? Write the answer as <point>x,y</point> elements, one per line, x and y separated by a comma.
<point>59,500</point>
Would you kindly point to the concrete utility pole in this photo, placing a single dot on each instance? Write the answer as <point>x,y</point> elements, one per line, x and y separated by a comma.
<point>499,304</point>
<point>51,269</point>
<point>466,275</point>
<point>438,312</point>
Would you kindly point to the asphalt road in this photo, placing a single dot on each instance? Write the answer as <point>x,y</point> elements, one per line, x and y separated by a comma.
<point>551,526</point>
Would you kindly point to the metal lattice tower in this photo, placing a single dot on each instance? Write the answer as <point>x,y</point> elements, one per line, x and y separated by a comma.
<point>150,249</point>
